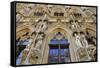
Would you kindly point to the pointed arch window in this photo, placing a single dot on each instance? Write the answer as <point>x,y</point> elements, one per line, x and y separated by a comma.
<point>59,49</point>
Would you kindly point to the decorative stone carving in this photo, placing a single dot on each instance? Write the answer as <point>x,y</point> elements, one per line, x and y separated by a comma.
<point>34,56</point>
<point>28,19</point>
<point>43,27</point>
<point>40,36</point>
<point>82,53</point>
<point>38,44</point>
<point>18,17</point>
<point>73,27</point>
<point>92,52</point>
<point>83,40</point>
<point>78,43</point>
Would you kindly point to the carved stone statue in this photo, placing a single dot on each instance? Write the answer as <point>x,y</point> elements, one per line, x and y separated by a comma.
<point>38,44</point>
<point>83,40</point>
<point>77,40</point>
<point>38,27</point>
<point>73,27</point>
<point>77,27</point>
<point>43,26</point>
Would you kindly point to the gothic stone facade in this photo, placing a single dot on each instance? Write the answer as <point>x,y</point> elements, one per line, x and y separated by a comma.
<point>39,27</point>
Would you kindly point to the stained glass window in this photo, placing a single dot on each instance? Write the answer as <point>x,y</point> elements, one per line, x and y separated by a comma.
<point>59,50</point>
